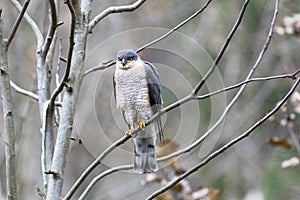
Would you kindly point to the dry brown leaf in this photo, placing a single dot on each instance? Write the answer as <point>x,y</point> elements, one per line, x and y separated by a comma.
<point>164,196</point>
<point>281,142</point>
<point>214,193</point>
<point>166,147</point>
<point>178,187</point>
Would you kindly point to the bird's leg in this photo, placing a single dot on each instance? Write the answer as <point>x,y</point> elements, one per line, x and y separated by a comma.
<point>130,131</point>
<point>142,125</point>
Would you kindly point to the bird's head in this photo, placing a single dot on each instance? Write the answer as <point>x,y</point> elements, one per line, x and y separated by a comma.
<point>126,59</point>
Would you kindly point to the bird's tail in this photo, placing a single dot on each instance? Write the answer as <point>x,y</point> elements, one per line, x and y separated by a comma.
<point>145,158</point>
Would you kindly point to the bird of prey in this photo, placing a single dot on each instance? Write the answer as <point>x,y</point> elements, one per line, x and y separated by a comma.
<point>138,94</point>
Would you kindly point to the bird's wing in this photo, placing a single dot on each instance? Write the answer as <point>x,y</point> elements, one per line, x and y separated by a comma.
<point>154,89</point>
<point>114,85</point>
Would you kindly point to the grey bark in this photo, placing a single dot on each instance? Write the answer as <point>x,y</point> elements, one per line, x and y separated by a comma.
<point>69,101</point>
<point>8,116</point>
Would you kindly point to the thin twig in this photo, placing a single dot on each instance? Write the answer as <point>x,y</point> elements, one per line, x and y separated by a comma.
<point>28,93</point>
<point>17,22</point>
<point>32,24</point>
<point>226,146</point>
<point>95,164</point>
<point>52,28</point>
<point>292,76</point>
<point>100,67</point>
<point>222,51</point>
<point>23,91</point>
<point>111,62</point>
<point>176,27</point>
<point>114,9</point>
<point>59,89</point>
<point>102,175</point>
<point>58,67</point>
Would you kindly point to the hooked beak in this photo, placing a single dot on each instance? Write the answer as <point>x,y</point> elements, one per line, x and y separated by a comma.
<point>124,62</point>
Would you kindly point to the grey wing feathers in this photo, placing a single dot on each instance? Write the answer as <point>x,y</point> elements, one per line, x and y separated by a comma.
<point>114,85</point>
<point>155,97</point>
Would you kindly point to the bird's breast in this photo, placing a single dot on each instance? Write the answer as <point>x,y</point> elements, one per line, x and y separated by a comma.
<point>131,88</point>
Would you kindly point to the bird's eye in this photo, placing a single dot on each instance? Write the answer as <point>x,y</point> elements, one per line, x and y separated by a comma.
<point>119,58</point>
<point>129,58</point>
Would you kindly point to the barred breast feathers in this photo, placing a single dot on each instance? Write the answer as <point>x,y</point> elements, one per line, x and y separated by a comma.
<point>132,92</point>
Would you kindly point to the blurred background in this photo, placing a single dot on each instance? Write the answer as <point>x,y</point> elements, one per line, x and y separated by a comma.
<point>253,169</point>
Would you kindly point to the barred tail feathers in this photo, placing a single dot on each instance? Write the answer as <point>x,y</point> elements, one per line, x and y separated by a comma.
<point>145,158</point>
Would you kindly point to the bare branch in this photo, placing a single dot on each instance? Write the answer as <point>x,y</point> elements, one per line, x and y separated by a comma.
<point>8,118</point>
<point>31,22</point>
<point>95,164</point>
<point>114,9</point>
<point>52,29</point>
<point>100,67</point>
<point>111,62</point>
<point>82,9</point>
<point>48,106</point>
<point>23,91</point>
<point>176,27</point>
<point>18,21</point>
<point>292,76</point>
<point>222,51</point>
<point>102,175</point>
<point>226,146</point>
<point>59,89</point>
<point>57,80</point>
<point>28,93</point>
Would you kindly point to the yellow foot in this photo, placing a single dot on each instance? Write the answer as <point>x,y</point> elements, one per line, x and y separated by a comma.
<point>130,132</point>
<point>142,125</point>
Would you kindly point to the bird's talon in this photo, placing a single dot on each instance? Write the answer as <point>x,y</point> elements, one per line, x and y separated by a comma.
<point>130,132</point>
<point>142,125</point>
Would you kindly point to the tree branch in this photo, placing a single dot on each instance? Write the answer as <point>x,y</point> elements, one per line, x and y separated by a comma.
<point>292,76</point>
<point>102,175</point>
<point>223,49</point>
<point>17,22</point>
<point>60,87</point>
<point>114,9</point>
<point>95,164</point>
<point>51,30</point>
<point>23,91</point>
<point>176,27</point>
<point>226,146</point>
<point>28,93</point>
<point>82,11</point>
<point>8,118</point>
<point>111,62</point>
<point>32,24</point>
